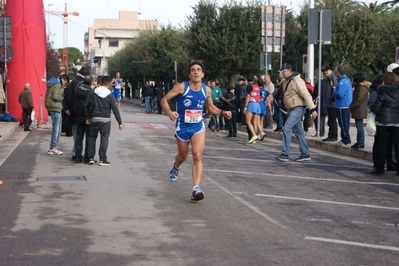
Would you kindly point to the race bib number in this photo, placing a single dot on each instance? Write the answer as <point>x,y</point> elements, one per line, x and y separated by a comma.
<point>193,116</point>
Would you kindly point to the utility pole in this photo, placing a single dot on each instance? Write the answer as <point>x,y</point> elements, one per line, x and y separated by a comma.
<point>311,53</point>
<point>48,22</point>
<point>103,46</point>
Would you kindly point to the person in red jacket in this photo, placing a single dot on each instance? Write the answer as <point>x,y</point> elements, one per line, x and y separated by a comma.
<point>306,120</point>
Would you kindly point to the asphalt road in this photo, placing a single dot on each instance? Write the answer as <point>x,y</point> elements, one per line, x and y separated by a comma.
<point>256,211</point>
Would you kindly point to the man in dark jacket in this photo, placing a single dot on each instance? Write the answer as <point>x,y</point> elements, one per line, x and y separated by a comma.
<point>240,93</point>
<point>69,101</point>
<point>147,93</point>
<point>159,95</point>
<point>82,129</point>
<point>98,106</point>
<point>26,100</point>
<point>328,101</point>
<point>231,103</point>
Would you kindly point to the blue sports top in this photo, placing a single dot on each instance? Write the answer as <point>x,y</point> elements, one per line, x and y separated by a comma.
<point>190,106</point>
<point>265,94</point>
<point>118,83</point>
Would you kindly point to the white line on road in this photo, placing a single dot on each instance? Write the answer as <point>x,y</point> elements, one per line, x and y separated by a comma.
<point>329,202</point>
<point>351,243</point>
<point>358,222</point>
<point>158,126</point>
<point>302,177</point>
<point>321,220</point>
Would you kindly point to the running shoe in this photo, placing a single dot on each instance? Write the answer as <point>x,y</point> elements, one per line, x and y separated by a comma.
<point>262,136</point>
<point>252,140</point>
<point>104,163</point>
<point>283,158</point>
<point>302,158</point>
<point>91,161</point>
<point>197,194</point>
<point>54,151</point>
<point>174,172</point>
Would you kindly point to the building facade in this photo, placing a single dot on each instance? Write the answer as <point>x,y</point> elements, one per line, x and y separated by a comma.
<point>107,36</point>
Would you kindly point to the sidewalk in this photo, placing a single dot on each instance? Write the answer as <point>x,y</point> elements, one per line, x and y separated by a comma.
<point>315,142</point>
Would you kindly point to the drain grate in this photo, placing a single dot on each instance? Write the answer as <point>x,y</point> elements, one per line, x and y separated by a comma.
<point>62,178</point>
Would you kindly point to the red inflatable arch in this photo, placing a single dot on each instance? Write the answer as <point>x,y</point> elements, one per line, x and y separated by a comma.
<point>29,62</point>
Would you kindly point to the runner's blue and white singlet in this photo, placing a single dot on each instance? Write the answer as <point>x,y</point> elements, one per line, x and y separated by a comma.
<point>118,83</point>
<point>190,106</point>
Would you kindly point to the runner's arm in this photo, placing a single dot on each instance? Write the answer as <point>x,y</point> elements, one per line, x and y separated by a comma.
<point>174,92</point>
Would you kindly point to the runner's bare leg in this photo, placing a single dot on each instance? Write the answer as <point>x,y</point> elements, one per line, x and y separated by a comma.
<point>182,152</point>
<point>197,147</point>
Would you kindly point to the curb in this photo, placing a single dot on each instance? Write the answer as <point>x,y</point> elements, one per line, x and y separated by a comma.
<point>327,146</point>
<point>7,129</point>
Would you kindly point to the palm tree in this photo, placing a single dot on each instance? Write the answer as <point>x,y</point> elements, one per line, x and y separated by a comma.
<point>375,8</point>
<point>391,3</point>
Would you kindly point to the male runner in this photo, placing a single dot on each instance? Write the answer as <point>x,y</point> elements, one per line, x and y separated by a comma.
<point>191,96</point>
<point>117,87</point>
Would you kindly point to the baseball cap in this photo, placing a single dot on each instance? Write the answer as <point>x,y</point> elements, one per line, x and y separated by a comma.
<point>285,66</point>
<point>392,67</point>
<point>241,78</point>
<point>327,68</point>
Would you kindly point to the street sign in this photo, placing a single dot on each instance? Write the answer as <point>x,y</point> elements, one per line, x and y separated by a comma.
<point>5,23</point>
<point>314,26</point>
<point>262,61</point>
<point>272,40</point>
<point>3,52</point>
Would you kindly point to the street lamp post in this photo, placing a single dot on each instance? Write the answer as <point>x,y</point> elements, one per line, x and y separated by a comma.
<point>48,21</point>
<point>103,46</point>
<point>311,52</point>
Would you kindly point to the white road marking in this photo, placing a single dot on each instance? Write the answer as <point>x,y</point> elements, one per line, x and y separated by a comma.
<point>351,243</point>
<point>321,220</point>
<point>390,224</point>
<point>158,126</point>
<point>303,177</point>
<point>330,202</point>
<point>249,205</point>
<point>357,222</point>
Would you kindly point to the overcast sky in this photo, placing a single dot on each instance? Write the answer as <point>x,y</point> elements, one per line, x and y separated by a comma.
<point>166,12</point>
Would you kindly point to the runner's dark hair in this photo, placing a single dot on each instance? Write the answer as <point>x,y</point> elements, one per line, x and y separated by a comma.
<point>195,63</point>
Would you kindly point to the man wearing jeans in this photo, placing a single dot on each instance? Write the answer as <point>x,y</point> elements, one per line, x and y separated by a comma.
<point>54,106</point>
<point>146,92</point>
<point>296,98</point>
<point>342,99</point>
